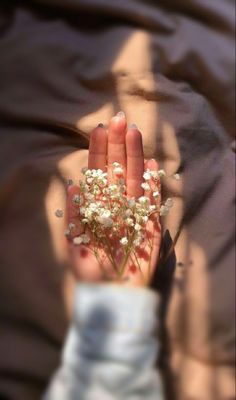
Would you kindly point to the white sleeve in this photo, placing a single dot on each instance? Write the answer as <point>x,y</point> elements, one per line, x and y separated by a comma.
<point>111,348</point>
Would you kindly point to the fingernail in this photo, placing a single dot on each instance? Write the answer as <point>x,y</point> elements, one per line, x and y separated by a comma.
<point>120,114</point>
<point>133,126</point>
<point>100,125</point>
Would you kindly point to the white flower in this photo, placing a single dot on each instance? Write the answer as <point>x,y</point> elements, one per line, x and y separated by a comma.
<point>164,210</point>
<point>129,222</point>
<point>137,227</point>
<point>59,213</point>
<point>161,173</point>
<point>115,210</point>
<point>169,202</point>
<point>77,199</point>
<point>145,186</point>
<point>97,173</point>
<point>116,164</point>
<point>118,171</point>
<point>89,196</point>
<point>71,226</point>
<point>96,190</point>
<point>176,177</point>
<point>137,242</point>
<point>124,241</point>
<point>83,187</point>
<point>82,210</point>
<point>105,221</point>
<point>155,194</point>
<point>93,206</point>
<point>81,239</point>
<point>84,170</point>
<point>67,232</point>
<point>154,174</point>
<point>144,200</point>
<point>152,207</point>
<point>128,213</point>
<point>131,203</point>
<point>88,172</point>
<point>147,175</point>
<point>112,188</point>
<point>103,182</point>
<point>106,214</point>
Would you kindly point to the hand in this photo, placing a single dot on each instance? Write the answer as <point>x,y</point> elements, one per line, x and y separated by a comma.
<point>123,146</point>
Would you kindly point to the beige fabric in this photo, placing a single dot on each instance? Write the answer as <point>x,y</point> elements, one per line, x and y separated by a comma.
<point>66,66</point>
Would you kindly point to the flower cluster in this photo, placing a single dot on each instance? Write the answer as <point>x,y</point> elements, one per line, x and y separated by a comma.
<point>111,221</point>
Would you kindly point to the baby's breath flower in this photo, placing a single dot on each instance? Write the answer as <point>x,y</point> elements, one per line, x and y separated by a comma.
<point>82,210</point>
<point>77,199</point>
<point>161,173</point>
<point>122,189</point>
<point>104,210</point>
<point>147,175</point>
<point>84,238</point>
<point>107,222</point>
<point>118,171</point>
<point>71,226</point>
<point>83,170</point>
<point>144,200</point>
<point>83,187</point>
<point>169,202</point>
<point>138,240</point>
<point>89,196</point>
<point>113,188</point>
<point>131,203</point>
<point>124,241</point>
<point>129,222</point>
<point>152,207</point>
<point>116,164</point>
<point>59,213</point>
<point>176,177</point>
<point>155,194</point>
<point>145,186</point>
<point>154,175</point>
<point>128,212</point>
<point>164,210</point>
<point>137,227</point>
<point>88,172</point>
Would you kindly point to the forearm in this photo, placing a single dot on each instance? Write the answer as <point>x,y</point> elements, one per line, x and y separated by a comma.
<point>111,349</point>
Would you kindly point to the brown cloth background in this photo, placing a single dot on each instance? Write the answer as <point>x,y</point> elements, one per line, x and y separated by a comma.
<point>65,66</point>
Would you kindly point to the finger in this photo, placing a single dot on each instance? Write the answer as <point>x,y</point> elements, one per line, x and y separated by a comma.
<point>135,162</point>
<point>97,158</point>
<point>116,142</point>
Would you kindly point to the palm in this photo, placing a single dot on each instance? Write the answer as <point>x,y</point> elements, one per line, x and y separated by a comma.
<point>125,147</point>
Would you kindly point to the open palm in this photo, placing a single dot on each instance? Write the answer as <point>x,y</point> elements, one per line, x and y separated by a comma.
<point>124,146</point>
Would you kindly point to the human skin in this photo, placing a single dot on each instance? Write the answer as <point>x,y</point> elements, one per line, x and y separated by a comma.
<point>123,145</point>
